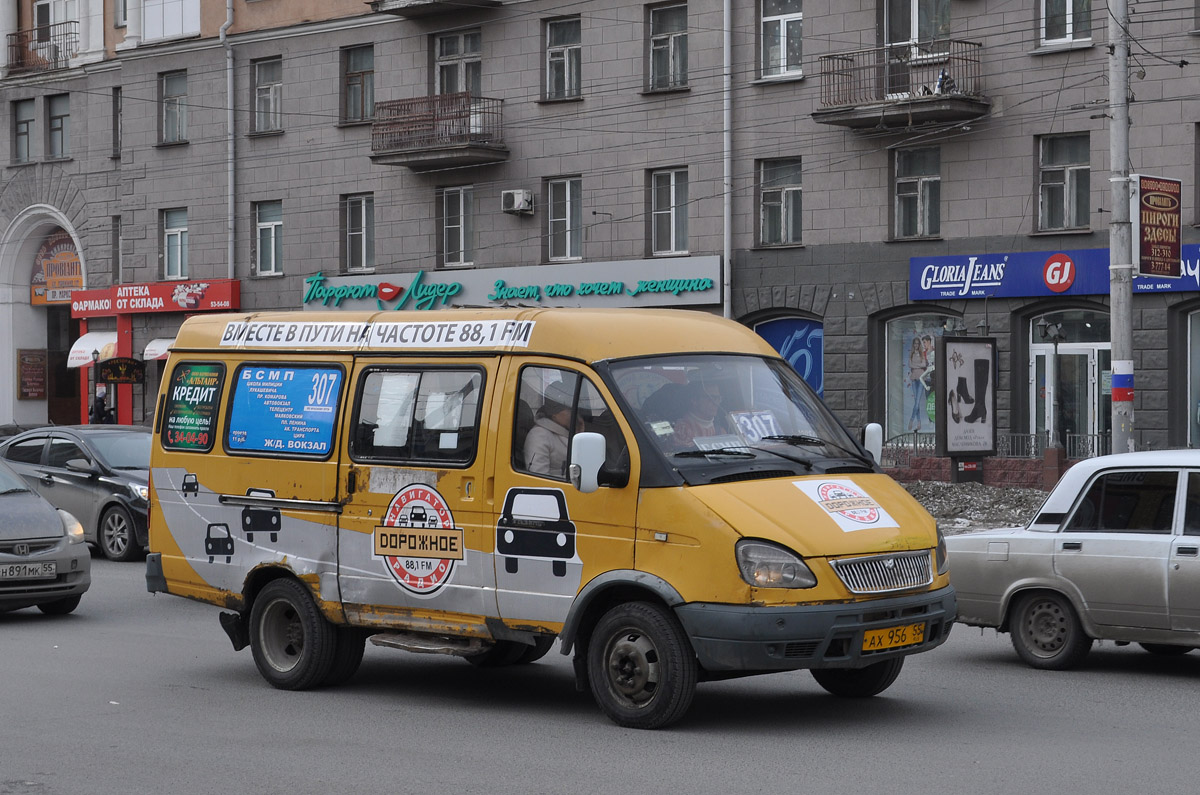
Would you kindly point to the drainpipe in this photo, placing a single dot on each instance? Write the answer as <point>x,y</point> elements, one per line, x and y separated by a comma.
<point>727,157</point>
<point>229,137</point>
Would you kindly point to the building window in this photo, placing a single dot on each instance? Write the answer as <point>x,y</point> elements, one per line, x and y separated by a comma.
<point>459,67</point>
<point>1065,182</point>
<point>911,401</point>
<point>175,243</point>
<point>268,95</point>
<point>1066,20</point>
<point>668,211</point>
<point>358,83</point>
<point>916,21</point>
<point>782,26</point>
<point>918,210</point>
<point>668,47</point>
<point>120,13</point>
<point>358,238</point>
<point>565,217</point>
<point>58,126</point>
<point>168,19</point>
<point>115,242</point>
<point>117,110</point>
<point>173,101</point>
<point>23,116</point>
<point>780,202</point>
<point>268,224</point>
<point>455,205</point>
<point>563,58</point>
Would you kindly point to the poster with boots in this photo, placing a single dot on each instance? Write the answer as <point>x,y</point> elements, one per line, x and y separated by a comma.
<point>966,368</point>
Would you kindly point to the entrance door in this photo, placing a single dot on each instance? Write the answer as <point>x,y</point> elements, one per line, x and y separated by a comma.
<point>1071,393</point>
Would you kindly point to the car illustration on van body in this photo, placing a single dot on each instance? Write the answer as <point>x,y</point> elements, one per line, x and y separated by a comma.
<point>260,518</point>
<point>190,485</point>
<point>409,454</point>
<point>218,541</point>
<point>535,524</point>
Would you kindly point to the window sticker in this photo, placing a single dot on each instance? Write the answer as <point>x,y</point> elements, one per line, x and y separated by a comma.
<point>848,505</point>
<point>289,410</point>
<point>754,425</point>
<point>190,410</point>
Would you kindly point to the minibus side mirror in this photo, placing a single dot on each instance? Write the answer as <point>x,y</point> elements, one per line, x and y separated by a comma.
<point>587,456</point>
<point>873,440</point>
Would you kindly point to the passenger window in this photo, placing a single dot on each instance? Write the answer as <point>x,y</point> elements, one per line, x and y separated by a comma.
<point>26,452</point>
<point>1127,502</point>
<point>64,450</point>
<point>189,417</point>
<point>287,410</point>
<point>418,416</point>
<point>1191,521</point>
<point>552,406</point>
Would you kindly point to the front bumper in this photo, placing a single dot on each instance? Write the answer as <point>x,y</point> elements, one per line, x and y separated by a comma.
<point>74,577</point>
<point>747,639</point>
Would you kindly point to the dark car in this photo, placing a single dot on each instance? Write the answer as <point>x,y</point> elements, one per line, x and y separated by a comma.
<point>98,473</point>
<point>43,560</point>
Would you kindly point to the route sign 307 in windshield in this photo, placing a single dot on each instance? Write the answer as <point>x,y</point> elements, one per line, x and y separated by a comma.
<point>191,406</point>
<point>286,410</point>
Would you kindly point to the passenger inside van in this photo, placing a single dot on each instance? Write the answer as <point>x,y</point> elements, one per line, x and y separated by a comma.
<point>546,444</point>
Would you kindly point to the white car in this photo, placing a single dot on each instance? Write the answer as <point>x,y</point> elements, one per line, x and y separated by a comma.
<point>1113,554</point>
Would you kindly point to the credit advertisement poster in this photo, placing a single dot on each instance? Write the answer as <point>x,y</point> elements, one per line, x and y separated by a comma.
<point>191,408</point>
<point>288,410</point>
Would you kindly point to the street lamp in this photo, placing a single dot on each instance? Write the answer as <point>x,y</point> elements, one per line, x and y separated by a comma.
<point>1052,332</point>
<point>95,385</point>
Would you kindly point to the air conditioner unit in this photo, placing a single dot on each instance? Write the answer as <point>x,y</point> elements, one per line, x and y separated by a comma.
<point>517,202</point>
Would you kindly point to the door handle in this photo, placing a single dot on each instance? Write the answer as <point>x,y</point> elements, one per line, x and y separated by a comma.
<point>1190,552</point>
<point>47,480</point>
<point>1072,545</point>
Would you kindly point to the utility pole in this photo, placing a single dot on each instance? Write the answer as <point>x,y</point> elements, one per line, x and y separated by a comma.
<point>1120,250</point>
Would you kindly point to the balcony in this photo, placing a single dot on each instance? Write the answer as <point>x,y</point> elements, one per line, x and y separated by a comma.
<point>42,49</point>
<point>439,131</point>
<point>414,9</point>
<point>902,85</point>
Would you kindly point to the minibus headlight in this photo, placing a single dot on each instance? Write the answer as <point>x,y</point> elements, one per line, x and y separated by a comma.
<point>765,565</point>
<point>942,558</point>
<point>72,527</point>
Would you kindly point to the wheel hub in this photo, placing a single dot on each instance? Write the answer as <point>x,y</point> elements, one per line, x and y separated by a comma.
<point>632,666</point>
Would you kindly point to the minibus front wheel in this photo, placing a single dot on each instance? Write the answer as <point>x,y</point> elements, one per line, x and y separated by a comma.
<point>641,667</point>
<point>293,644</point>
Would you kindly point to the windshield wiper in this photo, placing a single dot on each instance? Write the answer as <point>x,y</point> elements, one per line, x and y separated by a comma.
<point>731,451</point>
<point>815,441</point>
<point>14,490</point>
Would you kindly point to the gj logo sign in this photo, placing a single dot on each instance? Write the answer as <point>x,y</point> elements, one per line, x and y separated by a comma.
<point>1059,273</point>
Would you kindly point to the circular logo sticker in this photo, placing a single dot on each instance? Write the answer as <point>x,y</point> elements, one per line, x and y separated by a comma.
<point>1059,273</point>
<point>850,503</point>
<point>418,508</point>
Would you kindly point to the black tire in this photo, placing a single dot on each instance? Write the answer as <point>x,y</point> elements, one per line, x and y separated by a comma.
<point>60,607</point>
<point>859,682</point>
<point>347,656</point>
<point>293,645</point>
<point>118,541</point>
<point>641,667</point>
<point>502,654</point>
<point>1046,632</point>
<point>540,648</point>
<point>1165,649</point>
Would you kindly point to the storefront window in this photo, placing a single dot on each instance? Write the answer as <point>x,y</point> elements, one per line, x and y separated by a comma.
<point>801,343</point>
<point>911,403</point>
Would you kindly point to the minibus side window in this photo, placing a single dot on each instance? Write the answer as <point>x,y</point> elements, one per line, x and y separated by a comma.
<point>189,420</point>
<point>418,415</point>
<point>553,405</point>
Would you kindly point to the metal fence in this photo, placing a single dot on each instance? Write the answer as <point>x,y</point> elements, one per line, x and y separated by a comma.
<point>899,451</point>
<point>42,49</point>
<point>436,121</point>
<point>901,71</point>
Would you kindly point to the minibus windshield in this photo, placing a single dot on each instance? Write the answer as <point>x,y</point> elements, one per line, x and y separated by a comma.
<point>704,408</point>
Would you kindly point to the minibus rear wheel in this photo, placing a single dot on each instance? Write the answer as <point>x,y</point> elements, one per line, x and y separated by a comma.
<point>859,682</point>
<point>641,667</point>
<point>293,644</point>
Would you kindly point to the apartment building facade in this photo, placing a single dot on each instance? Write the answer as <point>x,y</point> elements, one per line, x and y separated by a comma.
<point>853,180</point>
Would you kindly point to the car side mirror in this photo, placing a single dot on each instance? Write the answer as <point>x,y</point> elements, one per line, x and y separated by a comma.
<point>587,456</point>
<point>81,465</point>
<point>873,440</point>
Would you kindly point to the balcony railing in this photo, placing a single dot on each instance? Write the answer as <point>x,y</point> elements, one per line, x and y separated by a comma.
<point>42,49</point>
<point>438,130</point>
<point>936,80</point>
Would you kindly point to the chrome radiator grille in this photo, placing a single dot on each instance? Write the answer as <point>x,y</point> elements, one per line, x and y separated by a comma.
<point>884,573</point>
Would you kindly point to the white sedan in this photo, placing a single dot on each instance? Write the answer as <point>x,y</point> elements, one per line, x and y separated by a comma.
<point>1113,554</point>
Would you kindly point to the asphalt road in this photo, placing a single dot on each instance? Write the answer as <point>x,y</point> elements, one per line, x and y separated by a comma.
<point>140,693</point>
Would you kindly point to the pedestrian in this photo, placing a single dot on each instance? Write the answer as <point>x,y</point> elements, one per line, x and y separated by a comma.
<point>100,414</point>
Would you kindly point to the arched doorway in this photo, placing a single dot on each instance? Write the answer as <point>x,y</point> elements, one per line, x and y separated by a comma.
<point>800,341</point>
